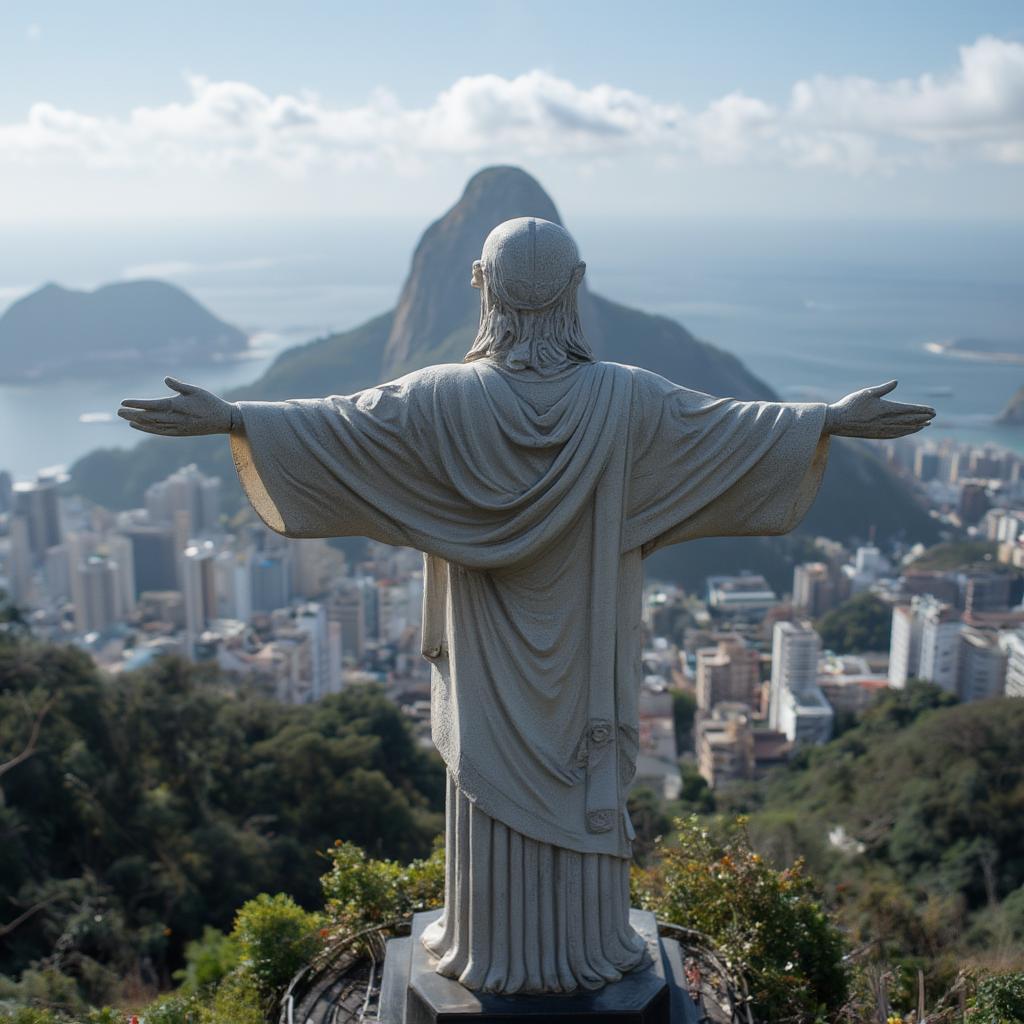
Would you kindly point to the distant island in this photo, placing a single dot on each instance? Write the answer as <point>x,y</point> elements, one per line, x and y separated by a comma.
<point>1013,414</point>
<point>57,331</point>
<point>982,349</point>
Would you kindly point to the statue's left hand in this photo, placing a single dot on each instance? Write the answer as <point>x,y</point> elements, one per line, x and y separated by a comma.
<point>865,413</point>
<point>192,411</point>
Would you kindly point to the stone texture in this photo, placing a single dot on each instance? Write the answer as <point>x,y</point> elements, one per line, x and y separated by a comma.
<point>414,993</point>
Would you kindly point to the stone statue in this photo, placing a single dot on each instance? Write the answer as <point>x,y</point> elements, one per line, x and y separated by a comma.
<point>534,479</point>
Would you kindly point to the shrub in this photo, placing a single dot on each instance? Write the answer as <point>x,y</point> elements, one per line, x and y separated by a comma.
<point>176,1008</point>
<point>208,960</point>
<point>768,924</point>
<point>361,892</point>
<point>276,938</point>
<point>237,1000</point>
<point>999,999</point>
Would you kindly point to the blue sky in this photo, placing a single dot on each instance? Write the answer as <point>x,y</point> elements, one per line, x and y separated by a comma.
<point>145,111</point>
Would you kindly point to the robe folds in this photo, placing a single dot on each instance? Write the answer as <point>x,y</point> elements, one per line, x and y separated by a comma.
<point>534,500</point>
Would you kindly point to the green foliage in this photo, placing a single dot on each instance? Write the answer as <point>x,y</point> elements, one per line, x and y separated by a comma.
<point>360,891</point>
<point>175,1008</point>
<point>237,1001</point>
<point>770,925</point>
<point>930,797</point>
<point>999,999</point>
<point>684,709</point>
<point>956,555</point>
<point>31,1015</point>
<point>208,960</point>
<point>650,821</point>
<point>276,938</point>
<point>861,624</point>
<point>158,802</point>
<point>694,795</point>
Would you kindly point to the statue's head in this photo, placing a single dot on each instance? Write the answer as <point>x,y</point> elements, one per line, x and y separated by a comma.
<point>529,275</point>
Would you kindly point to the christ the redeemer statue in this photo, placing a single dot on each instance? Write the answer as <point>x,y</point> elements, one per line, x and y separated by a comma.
<point>535,480</point>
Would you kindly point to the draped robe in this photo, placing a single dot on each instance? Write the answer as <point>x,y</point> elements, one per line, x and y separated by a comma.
<point>534,500</point>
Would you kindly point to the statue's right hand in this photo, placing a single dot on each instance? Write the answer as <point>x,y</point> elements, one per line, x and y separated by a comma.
<point>191,412</point>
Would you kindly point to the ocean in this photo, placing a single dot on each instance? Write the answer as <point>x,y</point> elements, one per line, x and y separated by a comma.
<point>816,310</point>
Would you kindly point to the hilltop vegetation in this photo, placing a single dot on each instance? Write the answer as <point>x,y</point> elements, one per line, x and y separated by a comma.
<point>156,803</point>
<point>914,820</point>
<point>861,624</point>
<point>137,837</point>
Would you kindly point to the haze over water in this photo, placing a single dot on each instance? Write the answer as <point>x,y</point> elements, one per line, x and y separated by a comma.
<point>815,310</point>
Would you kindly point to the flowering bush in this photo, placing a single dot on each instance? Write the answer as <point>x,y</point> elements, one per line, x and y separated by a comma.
<point>768,924</point>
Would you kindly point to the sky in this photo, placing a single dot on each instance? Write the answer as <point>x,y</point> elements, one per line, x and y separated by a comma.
<point>135,113</point>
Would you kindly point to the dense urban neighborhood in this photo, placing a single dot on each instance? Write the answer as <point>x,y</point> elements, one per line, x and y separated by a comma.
<point>767,672</point>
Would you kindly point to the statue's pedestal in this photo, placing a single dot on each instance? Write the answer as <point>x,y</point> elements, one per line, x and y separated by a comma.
<point>412,992</point>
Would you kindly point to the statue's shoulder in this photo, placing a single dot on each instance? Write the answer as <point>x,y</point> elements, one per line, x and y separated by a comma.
<point>642,380</point>
<point>437,375</point>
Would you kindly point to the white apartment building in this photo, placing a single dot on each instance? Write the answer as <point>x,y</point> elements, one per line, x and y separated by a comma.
<point>796,705</point>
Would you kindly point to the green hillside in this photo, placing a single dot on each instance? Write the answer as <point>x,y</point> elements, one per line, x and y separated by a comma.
<point>157,802</point>
<point>929,865</point>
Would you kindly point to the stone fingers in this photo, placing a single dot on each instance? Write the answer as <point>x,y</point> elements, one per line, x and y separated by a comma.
<point>153,428</point>
<point>149,404</point>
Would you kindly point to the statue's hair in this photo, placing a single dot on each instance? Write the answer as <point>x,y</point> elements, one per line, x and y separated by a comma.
<point>537,339</point>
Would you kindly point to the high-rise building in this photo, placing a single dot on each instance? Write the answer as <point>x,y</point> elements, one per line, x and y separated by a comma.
<point>233,570</point>
<point>186,490</point>
<point>19,568</point>
<point>57,571</point>
<point>271,581</point>
<point>815,589</point>
<point>728,673</point>
<point>925,643</point>
<point>974,502</point>
<point>926,464</point>
<point>325,649</point>
<point>346,606</point>
<point>6,491</point>
<point>154,556</point>
<point>37,503</point>
<point>1012,644</point>
<point>315,565</point>
<point>98,594</point>
<point>795,651</point>
<point>904,645</point>
<point>982,665</point>
<point>119,550</point>
<point>797,706</point>
<point>199,590</point>
<point>940,643</point>
<point>985,591</point>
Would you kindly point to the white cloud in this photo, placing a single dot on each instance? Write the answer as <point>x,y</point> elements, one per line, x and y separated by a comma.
<point>858,125</point>
<point>189,268</point>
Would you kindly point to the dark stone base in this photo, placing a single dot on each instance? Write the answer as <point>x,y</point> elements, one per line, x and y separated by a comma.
<point>412,992</point>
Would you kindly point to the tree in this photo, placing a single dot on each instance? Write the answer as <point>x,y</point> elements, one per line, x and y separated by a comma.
<point>861,624</point>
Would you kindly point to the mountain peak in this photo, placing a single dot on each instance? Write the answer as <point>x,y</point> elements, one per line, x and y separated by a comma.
<point>435,302</point>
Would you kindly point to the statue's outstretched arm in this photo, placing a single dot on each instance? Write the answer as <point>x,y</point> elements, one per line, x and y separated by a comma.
<point>865,413</point>
<point>189,413</point>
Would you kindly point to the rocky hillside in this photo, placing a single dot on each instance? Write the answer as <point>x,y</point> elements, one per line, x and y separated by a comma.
<point>435,321</point>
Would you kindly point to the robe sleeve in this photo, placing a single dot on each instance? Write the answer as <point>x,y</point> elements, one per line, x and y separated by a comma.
<point>333,467</point>
<point>718,467</point>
